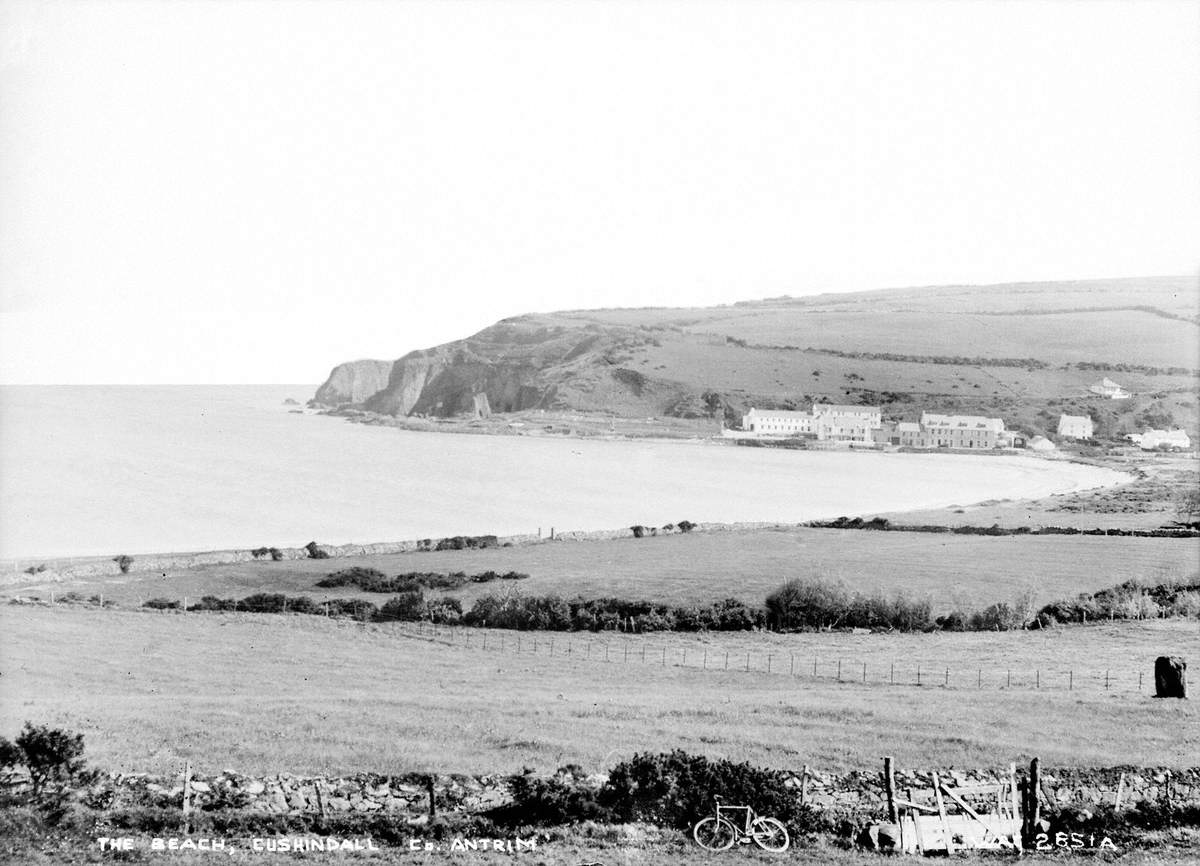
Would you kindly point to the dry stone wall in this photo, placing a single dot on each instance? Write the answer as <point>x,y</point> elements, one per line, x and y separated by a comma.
<point>856,796</point>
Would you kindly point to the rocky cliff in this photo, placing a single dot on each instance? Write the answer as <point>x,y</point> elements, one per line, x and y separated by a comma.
<point>353,382</point>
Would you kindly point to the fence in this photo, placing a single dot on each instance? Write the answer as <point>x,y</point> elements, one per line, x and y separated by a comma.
<point>652,650</point>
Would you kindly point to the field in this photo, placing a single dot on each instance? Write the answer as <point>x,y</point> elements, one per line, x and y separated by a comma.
<point>963,571</point>
<point>264,694</point>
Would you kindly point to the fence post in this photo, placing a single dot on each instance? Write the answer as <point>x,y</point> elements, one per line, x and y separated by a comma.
<point>432,798</point>
<point>606,652</point>
<point>918,674</point>
<point>979,678</point>
<point>892,674</point>
<point>747,662</point>
<point>947,683</point>
<point>864,672</point>
<point>1106,680</point>
<point>768,662</point>
<point>804,785</point>
<point>814,666</point>
<point>664,661</point>
<point>839,670</point>
<point>704,664</point>
<point>187,787</point>
<point>889,786</point>
<point>1032,811</point>
<point>1038,683</point>
<point>1009,685</point>
<point>1070,680</point>
<point>792,664</point>
<point>626,660</point>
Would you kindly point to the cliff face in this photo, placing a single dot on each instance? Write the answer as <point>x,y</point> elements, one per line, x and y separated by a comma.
<point>353,382</point>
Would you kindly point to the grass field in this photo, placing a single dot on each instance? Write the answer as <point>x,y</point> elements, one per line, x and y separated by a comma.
<point>264,694</point>
<point>964,571</point>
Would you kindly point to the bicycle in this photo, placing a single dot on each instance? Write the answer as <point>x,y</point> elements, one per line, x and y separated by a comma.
<point>719,833</point>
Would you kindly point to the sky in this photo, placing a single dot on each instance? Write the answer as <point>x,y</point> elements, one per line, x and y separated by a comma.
<point>204,192</point>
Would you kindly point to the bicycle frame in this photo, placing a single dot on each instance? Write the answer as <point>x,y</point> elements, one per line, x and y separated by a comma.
<point>744,830</point>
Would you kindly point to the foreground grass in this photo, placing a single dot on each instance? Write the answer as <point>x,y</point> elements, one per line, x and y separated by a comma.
<point>967,572</point>
<point>630,845</point>
<point>265,694</point>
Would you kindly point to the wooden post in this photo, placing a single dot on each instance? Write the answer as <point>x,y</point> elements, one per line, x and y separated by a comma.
<point>889,787</point>
<point>864,672</point>
<point>941,806</point>
<point>1120,791</point>
<point>839,670</point>
<point>187,787</point>
<point>432,798</point>
<point>1033,808</point>
<point>804,785</point>
<point>768,662</point>
<point>1012,790</point>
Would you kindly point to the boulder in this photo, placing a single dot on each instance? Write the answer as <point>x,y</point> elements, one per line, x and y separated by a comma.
<point>1170,677</point>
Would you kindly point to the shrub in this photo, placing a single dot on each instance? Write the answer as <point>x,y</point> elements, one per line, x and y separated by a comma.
<point>123,562</point>
<point>638,531</point>
<point>677,789</point>
<point>355,576</point>
<point>52,757</point>
<point>406,607</point>
<point>685,525</point>
<point>352,607</point>
<point>562,799</point>
<point>315,552</point>
<point>161,604</point>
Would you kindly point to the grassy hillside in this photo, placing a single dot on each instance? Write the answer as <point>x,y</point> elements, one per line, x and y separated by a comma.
<point>954,571</point>
<point>266,694</point>
<point>1024,351</point>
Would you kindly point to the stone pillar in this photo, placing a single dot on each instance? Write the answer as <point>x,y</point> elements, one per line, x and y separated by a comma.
<point>1170,677</point>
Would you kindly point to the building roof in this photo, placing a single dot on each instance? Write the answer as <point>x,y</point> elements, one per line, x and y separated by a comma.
<point>842,408</point>
<point>779,413</point>
<point>977,422</point>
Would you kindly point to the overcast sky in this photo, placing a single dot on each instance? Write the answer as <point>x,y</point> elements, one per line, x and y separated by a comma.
<point>253,192</point>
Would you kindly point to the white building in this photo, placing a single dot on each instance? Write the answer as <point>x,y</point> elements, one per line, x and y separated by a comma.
<point>1075,427</point>
<point>1176,440</point>
<point>961,431</point>
<point>1106,387</point>
<point>827,422</point>
<point>842,423</point>
<point>778,422</point>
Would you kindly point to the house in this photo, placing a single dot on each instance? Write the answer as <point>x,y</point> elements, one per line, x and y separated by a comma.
<point>842,423</point>
<point>961,431</point>
<point>1106,387</point>
<point>1174,440</point>
<point>778,422</point>
<point>827,421</point>
<point>1075,427</point>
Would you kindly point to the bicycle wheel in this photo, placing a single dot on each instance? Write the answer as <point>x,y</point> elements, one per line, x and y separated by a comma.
<point>769,834</point>
<point>714,834</point>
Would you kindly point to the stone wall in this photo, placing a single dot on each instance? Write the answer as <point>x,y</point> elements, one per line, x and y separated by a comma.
<point>856,796</point>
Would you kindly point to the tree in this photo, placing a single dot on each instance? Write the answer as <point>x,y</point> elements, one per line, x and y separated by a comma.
<point>1187,507</point>
<point>52,757</point>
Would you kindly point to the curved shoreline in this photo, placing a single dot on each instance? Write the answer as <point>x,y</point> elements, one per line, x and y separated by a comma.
<point>56,569</point>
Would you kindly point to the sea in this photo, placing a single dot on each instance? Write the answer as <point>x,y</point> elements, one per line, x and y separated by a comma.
<point>107,470</point>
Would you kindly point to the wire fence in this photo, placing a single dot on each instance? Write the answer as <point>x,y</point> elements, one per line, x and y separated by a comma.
<point>654,649</point>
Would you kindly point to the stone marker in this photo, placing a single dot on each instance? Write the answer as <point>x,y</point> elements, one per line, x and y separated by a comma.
<point>1170,677</point>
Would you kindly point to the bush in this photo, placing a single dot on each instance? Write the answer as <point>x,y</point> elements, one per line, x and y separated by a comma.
<point>356,576</point>
<point>677,789</point>
<point>685,525</point>
<point>314,552</point>
<point>638,531</point>
<point>406,607</point>
<point>52,757</point>
<point>123,562</point>
<point>161,604</point>
<point>561,799</point>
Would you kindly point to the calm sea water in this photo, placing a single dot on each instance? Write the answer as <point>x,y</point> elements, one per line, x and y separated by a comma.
<point>102,470</point>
